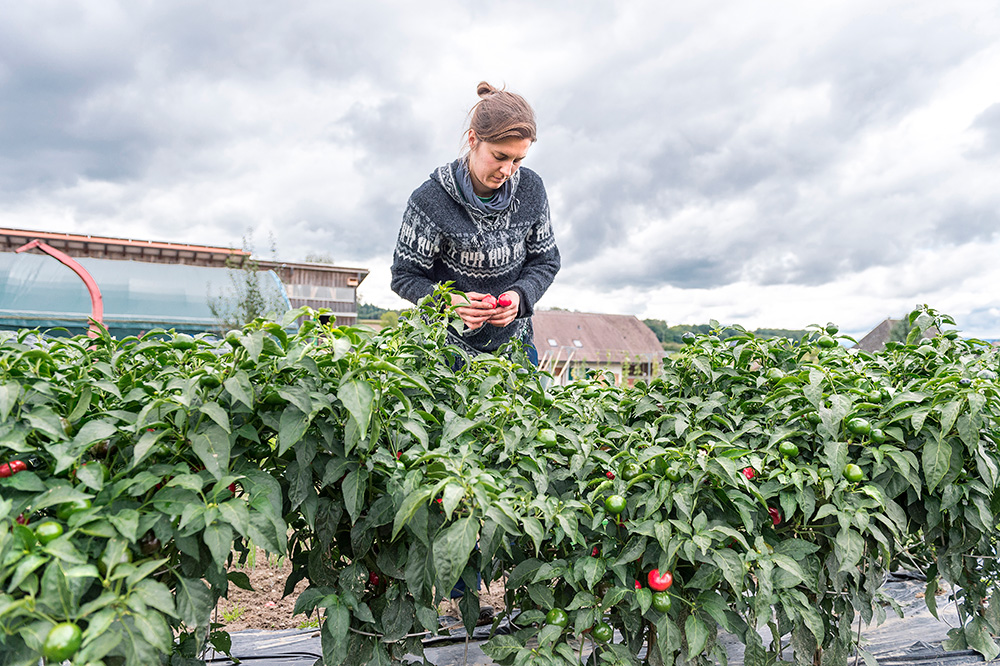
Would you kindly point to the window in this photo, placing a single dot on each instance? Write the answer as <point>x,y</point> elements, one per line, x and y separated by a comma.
<point>577,343</point>
<point>553,343</point>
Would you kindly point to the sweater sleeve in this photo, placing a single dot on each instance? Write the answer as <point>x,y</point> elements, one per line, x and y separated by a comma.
<point>418,245</point>
<point>541,263</point>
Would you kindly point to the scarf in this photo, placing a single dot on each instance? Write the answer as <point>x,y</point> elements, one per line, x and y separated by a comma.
<point>501,198</point>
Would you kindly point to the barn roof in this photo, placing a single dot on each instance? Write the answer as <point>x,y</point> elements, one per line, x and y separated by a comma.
<point>596,338</point>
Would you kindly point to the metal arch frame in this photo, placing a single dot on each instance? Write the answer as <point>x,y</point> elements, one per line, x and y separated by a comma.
<point>96,300</point>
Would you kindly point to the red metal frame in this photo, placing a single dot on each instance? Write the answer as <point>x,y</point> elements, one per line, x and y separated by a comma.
<point>96,300</point>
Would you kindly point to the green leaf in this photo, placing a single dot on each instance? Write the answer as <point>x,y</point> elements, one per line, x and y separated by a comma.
<point>533,528</point>
<point>47,421</point>
<point>644,596</point>
<point>452,495</point>
<point>240,388</point>
<point>58,495</point>
<point>523,573</point>
<point>398,618</point>
<point>242,581</point>
<point>789,565</point>
<point>156,595</point>
<point>9,392</point>
<point>254,344</point>
<point>194,602</point>
<point>502,647</point>
<point>153,629</point>
<point>590,569</point>
<point>731,566</point>
<point>905,397</point>
<point>235,513</point>
<point>354,487</point>
<point>93,431</point>
<point>935,461</point>
<point>411,503</point>
<point>90,476</point>
<point>145,446</point>
<point>978,637</point>
<point>949,413</point>
<point>215,412</point>
<point>454,426</point>
<point>848,546</point>
<point>358,397</point>
<point>549,634</point>
<point>126,522</point>
<point>696,634</point>
<point>25,568</point>
<point>451,550</point>
<point>336,626</point>
<point>803,643</point>
<point>219,539</point>
<point>797,549</point>
<point>634,549</point>
<point>292,427</point>
<point>835,454</point>
<point>212,446</point>
<point>613,597</point>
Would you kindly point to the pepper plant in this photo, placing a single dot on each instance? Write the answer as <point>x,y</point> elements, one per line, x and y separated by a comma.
<point>757,487</point>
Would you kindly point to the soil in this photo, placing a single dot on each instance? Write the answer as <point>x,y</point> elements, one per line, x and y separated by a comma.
<point>264,607</point>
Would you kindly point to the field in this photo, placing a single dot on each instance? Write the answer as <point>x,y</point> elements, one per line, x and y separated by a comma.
<point>754,485</point>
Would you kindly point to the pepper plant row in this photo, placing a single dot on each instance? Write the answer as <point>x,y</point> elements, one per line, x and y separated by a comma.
<point>757,487</point>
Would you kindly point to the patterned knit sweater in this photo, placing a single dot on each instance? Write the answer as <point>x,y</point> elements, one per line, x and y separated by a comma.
<point>444,238</point>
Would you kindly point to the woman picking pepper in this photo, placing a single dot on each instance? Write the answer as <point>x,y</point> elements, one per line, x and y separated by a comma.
<point>482,222</point>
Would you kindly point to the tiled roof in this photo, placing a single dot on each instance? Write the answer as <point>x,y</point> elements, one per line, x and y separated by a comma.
<point>876,338</point>
<point>596,338</point>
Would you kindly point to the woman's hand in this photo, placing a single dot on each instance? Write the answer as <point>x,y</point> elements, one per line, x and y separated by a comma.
<point>472,310</point>
<point>502,316</point>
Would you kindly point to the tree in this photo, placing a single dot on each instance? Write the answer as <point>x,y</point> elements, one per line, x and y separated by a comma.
<point>319,258</point>
<point>369,311</point>
<point>900,329</point>
<point>389,319</point>
<point>252,295</point>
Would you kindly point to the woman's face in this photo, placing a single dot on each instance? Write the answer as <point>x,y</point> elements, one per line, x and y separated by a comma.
<point>491,164</point>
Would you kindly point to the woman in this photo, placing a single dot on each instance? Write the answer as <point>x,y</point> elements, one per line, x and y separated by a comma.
<point>483,223</point>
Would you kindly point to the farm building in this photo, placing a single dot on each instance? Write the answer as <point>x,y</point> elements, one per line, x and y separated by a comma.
<point>570,343</point>
<point>175,291</point>
<point>876,338</point>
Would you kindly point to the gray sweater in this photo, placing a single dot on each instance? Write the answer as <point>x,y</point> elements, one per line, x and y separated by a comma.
<point>444,238</point>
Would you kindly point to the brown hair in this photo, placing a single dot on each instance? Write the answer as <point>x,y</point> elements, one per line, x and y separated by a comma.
<point>500,115</point>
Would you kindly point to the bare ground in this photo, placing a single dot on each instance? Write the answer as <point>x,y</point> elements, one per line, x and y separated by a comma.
<point>264,607</point>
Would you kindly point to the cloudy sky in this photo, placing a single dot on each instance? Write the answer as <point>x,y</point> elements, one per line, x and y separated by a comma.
<point>773,164</point>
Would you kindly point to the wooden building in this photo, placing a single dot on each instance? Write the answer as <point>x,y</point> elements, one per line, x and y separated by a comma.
<point>570,343</point>
<point>320,286</point>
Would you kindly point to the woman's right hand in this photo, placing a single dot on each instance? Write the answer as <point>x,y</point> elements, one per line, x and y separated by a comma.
<point>471,309</point>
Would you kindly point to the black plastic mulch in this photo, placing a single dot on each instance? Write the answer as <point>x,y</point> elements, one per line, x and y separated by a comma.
<point>914,640</point>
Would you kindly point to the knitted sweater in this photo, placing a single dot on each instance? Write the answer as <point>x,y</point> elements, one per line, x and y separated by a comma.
<point>443,238</point>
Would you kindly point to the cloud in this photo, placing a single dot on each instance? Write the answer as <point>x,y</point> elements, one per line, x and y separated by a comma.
<point>987,124</point>
<point>737,156</point>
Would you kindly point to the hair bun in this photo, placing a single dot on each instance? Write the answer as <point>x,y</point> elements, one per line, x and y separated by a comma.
<point>484,89</point>
<point>500,114</point>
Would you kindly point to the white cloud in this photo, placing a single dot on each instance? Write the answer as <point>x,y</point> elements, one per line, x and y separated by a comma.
<point>769,165</point>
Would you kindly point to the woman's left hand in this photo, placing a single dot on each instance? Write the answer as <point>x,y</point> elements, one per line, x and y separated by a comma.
<point>503,316</point>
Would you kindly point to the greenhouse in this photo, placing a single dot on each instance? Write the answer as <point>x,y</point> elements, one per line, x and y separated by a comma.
<point>38,291</point>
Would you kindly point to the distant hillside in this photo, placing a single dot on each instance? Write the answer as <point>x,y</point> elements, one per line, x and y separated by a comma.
<point>671,337</point>
<point>368,311</point>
